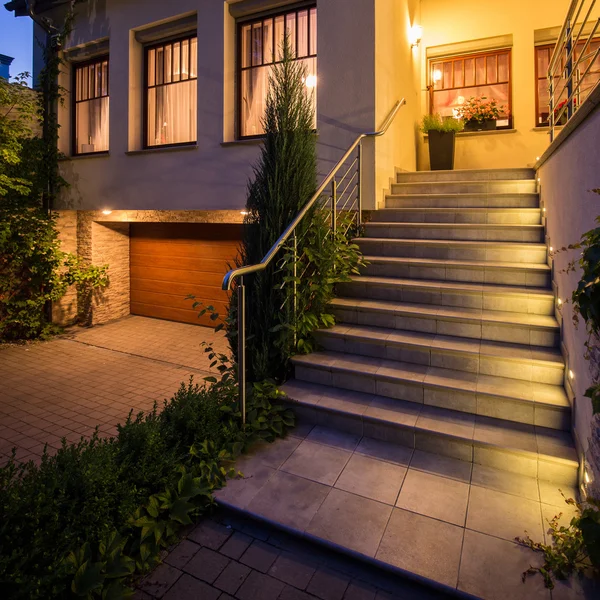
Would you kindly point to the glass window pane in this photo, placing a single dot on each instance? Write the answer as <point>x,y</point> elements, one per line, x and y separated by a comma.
<point>503,67</point>
<point>459,79</point>
<point>105,78</point>
<point>91,126</point>
<point>185,59</point>
<point>480,70</point>
<point>77,84</point>
<point>168,63</point>
<point>543,59</point>
<point>302,33</point>
<point>447,75</point>
<point>257,44</point>
<point>492,69</point>
<point>246,46</point>
<point>268,40</point>
<point>172,113</point>
<point>193,57</point>
<point>311,84</point>
<point>445,101</point>
<point>159,66</point>
<point>279,28</point>
<point>290,25</point>
<point>469,71</point>
<point>151,66</point>
<point>313,30</point>
<point>437,75</point>
<point>176,61</point>
<point>543,102</point>
<point>253,97</point>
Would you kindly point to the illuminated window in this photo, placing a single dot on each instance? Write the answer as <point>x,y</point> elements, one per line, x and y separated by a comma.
<point>91,107</point>
<point>171,92</point>
<point>453,80</point>
<point>542,98</point>
<point>260,42</point>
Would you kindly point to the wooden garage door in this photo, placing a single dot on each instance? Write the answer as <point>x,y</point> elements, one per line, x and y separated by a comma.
<point>171,260</point>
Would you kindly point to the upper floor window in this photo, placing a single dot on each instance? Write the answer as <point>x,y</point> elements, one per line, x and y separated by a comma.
<point>91,107</point>
<point>453,80</point>
<point>260,47</point>
<point>588,81</point>
<point>171,92</point>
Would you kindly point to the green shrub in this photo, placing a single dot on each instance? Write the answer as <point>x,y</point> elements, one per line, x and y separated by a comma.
<point>99,512</point>
<point>436,122</point>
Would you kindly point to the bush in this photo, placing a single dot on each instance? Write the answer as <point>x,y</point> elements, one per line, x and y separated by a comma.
<point>98,512</point>
<point>436,122</point>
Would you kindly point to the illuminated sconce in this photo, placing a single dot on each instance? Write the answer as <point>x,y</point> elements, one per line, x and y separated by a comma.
<point>551,249</point>
<point>544,209</point>
<point>586,477</point>
<point>311,82</point>
<point>244,212</point>
<point>106,211</point>
<point>415,35</point>
<point>571,374</point>
<point>537,158</point>
<point>559,302</point>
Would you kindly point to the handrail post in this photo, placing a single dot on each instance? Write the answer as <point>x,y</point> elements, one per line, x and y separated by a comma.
<point>295,284</point>
<point>241,291</point>
<point>333,204</point>
<point>360,180</point>
<point>551,106</point>
<point>569,68</point>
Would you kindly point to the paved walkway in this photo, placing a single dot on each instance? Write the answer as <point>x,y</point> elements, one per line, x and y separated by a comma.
<point>228,557</point>
<point>88,377</point>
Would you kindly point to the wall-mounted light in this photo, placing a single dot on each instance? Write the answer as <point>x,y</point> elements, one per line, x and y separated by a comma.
<point>544,209</point>
<point>415,35</point>
<point>106,211</point>
<point>244,212</point>
<point>551,249</point>
<point>571,374</point>
<point>586,477</point>
<point>559,301</point>
<point>311,81</point>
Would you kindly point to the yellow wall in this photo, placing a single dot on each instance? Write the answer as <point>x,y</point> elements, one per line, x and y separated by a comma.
<point>447,22</point>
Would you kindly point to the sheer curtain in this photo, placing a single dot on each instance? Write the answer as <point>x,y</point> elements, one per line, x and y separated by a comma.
<point>91,107</point>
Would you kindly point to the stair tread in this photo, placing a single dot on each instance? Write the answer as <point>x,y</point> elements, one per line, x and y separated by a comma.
<point>475,209</point>
<point>453,285</point>
<point>463,243</point>
<point>482,431</point>
<point>463,181</point>
<point>453,225</point>
<point>438,262</point>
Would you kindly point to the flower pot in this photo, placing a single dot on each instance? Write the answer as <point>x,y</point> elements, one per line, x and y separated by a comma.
<point>474,125</point>
<point>441,150</point>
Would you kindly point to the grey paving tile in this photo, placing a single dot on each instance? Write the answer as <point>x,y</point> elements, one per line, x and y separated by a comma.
<point>422,545</point>
<point>351,521</point>
<point>358,590</point>
<point>160,580</point>
<point>236,545</point>
<point>182,553</point>
<point>206,565</point>
<point>260,556</point>
<point>491,568</point>
<point>293,568</point>
<point>503,481</point>
<point>240,491</point>
<point>552,493</point>
<point>434,496</point>
<point>274,454</point>
<point>445,466</point>
<point>503,515</point>
<point>393,453</point>
<point>289,500</point>
<point>328,585</point>
<point>317,462</point>
<point>258,586</point>
<point>189,588</point>
<point>232,577</point>
<point>334,438</point>
<point>372,478</point>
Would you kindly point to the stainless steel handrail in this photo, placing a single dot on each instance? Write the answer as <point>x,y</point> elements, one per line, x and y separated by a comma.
<point>240,272</point>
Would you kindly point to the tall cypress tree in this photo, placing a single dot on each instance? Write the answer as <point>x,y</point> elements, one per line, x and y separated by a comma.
<point>284,180</point>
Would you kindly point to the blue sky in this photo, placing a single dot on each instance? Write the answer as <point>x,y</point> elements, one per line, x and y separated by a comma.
<point>16,40</point>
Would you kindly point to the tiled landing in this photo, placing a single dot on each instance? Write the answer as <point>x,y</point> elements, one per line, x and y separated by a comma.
<point>440,519</point>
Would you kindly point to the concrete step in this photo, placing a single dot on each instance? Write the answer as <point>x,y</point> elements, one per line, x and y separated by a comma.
<point>465,175</point>
<point>527,363</point>
<point>504,216</point>
<point>445,294</point>
<point>499,186</point>
<point>475,324</point>
<point>505,273</point>
<point>520,448</point>
<point>451,199</point>
<point>457,231</point>
<point>486,251</point>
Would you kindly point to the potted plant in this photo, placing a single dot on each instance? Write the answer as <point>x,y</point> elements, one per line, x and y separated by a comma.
<point>564,116</point>
<point>480,114</point>
<point>441,132</point>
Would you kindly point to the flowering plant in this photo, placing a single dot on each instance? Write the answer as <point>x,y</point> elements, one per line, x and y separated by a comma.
<point>560,106</point>
<point>480,109</point>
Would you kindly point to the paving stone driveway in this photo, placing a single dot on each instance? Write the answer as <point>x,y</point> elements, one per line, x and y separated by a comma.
<point>88,377</point>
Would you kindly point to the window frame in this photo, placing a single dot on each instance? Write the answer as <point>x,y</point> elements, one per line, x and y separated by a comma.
<point>259,18</point>
<point>152,46</point>
<point>475,55</point>
<point>74,102</point>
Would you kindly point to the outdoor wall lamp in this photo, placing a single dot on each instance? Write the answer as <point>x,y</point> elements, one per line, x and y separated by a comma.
<point>415,35</point>
<point>106,211</point>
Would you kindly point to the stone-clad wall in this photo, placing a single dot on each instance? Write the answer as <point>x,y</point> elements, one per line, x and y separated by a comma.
<point>100,239</point>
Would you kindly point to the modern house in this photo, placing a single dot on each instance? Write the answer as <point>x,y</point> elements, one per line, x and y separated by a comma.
<point>463,301</point>
<point>5,62</point>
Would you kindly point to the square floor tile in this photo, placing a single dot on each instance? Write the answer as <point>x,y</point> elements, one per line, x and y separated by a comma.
<point>491,568</point>
<point>503,515</point>
<point>276,453</point>
<point>240,490</point>
<point>393,453</point>
<point>334,438</point>
<point>372,478</point>
<point>552,493</point>
<point>445,466</point>
<point>434,496</point>
<point>317,462</point>
<point>351,521</point>
<point>504,481</point>
<point>289,500</point>
<point>422,545</point>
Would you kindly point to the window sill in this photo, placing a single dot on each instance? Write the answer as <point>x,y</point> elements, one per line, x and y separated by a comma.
<point>248,142</point>
<point>546,129</point>
<point>474,133</point>
<point>163,149</point>
<point>84,156</point>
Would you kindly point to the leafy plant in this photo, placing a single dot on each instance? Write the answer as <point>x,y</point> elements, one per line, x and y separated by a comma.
<point>479,108</point>
<point>436,122</point>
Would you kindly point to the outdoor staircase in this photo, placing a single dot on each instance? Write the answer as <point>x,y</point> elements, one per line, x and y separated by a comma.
<point>447,342</point>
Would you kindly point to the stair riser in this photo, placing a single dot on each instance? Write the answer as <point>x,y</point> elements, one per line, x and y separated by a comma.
<point>456,216</point>
<point>476,201</point>
<point>466,187</point>
<point>516,234</point>
<point>471,275</point>
<point>451,251</point>
<point>496,332</point>
<point>411,437</point>
<point>521,303</point>
<point>466,175</point>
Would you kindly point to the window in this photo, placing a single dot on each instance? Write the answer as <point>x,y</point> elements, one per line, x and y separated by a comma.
<point>260,43</point>
<point>171,92</point>
<point>455,79</point>
<point>542,60</point>
<point>91,107</point>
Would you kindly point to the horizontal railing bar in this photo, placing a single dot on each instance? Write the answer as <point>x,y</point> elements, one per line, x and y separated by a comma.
<point>348,171</point>
<point>561,35</point>
<point>246,270</point>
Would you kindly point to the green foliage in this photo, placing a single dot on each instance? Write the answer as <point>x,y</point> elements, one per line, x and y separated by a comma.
<point>99,512</point>
<point>284,180</point>
<point>436,122</point>
<point>575,547</point>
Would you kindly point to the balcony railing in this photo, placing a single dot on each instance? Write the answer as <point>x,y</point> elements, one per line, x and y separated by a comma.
<point>574,68</point>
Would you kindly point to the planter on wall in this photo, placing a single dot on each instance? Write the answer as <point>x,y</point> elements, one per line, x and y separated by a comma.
<point>441,150</point>
<point>486,125</point>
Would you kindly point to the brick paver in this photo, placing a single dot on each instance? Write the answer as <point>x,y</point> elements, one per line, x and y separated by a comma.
<point>93,377</point>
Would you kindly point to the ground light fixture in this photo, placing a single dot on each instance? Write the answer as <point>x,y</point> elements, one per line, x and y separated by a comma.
<point>106,211</point>
<point>415,35</point>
